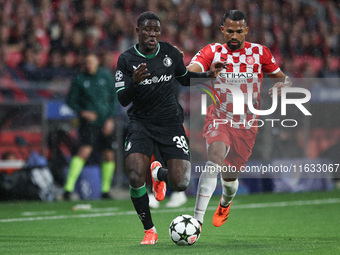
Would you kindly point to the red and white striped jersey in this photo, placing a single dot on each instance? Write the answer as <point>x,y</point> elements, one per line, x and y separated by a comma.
<point>245,70</point>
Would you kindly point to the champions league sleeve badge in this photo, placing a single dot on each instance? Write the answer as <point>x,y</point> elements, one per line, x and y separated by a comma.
<point>119,75</point>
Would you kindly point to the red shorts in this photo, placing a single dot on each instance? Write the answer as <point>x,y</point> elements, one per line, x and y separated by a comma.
<point>239,141</point>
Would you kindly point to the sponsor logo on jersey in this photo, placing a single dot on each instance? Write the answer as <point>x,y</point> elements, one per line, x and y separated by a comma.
<point>238,75</point>
<point>273,60</point>
<point>119,75</point>
<point>156,79</point>
<point>167,61</point>
<point>237,78</point>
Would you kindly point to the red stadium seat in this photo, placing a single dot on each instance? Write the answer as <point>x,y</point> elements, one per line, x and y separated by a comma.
<point>7,141</point>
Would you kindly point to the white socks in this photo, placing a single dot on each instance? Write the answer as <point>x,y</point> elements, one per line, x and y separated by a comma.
<point>206,187</point>
<point>229,191</point>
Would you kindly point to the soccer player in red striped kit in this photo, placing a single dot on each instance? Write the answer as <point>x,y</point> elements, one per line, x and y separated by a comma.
<point>231,145</point>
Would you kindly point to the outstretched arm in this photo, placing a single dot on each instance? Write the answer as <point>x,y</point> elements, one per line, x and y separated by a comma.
<point>214,70</point>
<point>195,71</point>
<point>194,67</point>
<point>282,80</point>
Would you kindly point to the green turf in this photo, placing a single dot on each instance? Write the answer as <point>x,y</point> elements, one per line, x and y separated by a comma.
<point>273,228</point>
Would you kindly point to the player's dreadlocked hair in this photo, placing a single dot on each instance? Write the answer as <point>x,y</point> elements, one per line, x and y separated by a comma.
<point>145,16</point>
<point>234,15</point>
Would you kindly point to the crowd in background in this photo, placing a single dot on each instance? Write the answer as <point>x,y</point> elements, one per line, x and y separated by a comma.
<point>43,40</point>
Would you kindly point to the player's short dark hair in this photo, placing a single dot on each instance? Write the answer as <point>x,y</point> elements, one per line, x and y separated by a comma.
<point>146,15</point>
<point>234,15</point>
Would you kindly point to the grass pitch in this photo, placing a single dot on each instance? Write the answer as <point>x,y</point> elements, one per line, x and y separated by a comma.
<point>300,223</point>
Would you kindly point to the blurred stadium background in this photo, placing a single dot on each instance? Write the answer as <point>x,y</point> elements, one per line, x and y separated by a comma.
<point>41,45</point>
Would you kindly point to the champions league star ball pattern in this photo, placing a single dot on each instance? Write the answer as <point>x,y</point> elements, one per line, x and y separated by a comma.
<point>184,230</point>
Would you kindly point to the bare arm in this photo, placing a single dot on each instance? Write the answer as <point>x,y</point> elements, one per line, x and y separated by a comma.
<point>214,70</point>
<point>194,67</point>
<point>281,79</point>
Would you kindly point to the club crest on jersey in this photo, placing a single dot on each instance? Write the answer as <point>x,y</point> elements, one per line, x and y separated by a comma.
<point>119,75</point>
<point>167,61</point>
<point>250,60</point>
<point>128,146</point>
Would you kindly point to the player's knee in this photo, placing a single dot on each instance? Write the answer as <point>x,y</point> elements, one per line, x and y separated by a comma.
<point>181,186</point>
<point>216,158</point>
<point>135,179</point>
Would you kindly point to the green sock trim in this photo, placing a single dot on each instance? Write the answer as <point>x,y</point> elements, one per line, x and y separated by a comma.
<point>76,166</point>
<point>108,169</point>
<point>137,192</point>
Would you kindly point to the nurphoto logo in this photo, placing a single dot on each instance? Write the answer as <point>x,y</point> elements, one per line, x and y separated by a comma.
<point>240,99</point>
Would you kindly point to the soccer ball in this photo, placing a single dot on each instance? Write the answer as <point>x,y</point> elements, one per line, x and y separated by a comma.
<point>184,230</point>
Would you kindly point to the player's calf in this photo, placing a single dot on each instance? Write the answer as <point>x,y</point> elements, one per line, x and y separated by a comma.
<point>179,172</point>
